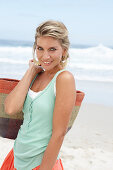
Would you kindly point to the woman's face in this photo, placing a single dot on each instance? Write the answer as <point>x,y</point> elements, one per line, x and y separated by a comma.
<point>49,52</point>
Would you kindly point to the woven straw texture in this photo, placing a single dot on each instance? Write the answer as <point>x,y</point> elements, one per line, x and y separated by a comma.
<point>9,125</point>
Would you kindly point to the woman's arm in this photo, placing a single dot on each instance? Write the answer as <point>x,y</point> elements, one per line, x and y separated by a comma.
<point>15,99</point>
<point>65,100</point>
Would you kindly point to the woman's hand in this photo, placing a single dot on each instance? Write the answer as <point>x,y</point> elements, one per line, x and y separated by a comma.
<point>15,100</point>
<point>36,68</point>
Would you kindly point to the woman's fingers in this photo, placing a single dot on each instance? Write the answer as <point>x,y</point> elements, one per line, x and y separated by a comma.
<point>38,68</point>
<point>31,62</point>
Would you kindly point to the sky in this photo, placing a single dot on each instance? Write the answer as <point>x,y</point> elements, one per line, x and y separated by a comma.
<point>89,22</point>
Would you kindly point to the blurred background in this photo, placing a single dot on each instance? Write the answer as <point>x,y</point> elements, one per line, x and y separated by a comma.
<point>89,145</point>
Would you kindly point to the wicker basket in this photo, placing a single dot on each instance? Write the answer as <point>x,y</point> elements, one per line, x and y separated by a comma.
<point>9,125</point>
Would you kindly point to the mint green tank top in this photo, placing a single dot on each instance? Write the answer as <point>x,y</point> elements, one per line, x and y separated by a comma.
<point>36,130</point>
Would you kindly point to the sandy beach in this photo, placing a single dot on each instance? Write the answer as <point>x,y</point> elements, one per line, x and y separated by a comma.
<point>88,145</point>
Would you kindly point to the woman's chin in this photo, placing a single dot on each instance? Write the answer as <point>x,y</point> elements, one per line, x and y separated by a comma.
<point>51,66</point>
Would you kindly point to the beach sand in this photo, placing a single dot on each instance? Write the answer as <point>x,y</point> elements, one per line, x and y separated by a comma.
<point>88,145</point>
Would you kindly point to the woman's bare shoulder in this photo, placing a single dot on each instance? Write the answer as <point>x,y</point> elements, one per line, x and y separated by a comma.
<point>65,76</point>
<point>65,79</point>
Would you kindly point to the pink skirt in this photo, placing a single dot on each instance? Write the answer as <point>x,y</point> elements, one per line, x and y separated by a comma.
<point>8,163</point>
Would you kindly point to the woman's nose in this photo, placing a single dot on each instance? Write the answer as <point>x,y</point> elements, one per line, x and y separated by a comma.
<point>46,55</point>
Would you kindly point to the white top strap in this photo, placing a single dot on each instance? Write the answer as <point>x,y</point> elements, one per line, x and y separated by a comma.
<point>33,94</point>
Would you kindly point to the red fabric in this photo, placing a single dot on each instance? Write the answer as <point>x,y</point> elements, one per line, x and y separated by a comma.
<point>8,163</point>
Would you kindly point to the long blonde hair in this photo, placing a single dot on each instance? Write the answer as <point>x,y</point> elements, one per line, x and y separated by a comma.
<point>56,30</point>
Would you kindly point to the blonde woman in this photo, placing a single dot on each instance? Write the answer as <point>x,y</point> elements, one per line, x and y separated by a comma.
<point>46,94</point>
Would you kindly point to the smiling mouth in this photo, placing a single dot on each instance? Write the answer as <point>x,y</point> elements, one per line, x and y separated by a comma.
<point>47,63</point>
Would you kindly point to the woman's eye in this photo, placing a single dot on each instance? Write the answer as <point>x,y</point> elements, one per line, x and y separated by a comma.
<point>39,48</point>
<point>52,49</point>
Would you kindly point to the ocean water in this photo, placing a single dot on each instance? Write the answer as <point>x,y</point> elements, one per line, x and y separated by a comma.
<point>88,64</point>
<point>91,63</point>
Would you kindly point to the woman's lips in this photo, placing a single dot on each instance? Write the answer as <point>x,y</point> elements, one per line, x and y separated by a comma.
<point>47,62</point>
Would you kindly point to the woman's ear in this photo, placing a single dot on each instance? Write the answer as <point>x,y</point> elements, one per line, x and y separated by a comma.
<point>64,52</point>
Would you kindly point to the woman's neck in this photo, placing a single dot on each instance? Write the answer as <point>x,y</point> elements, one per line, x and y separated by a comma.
<point>53,71</point>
